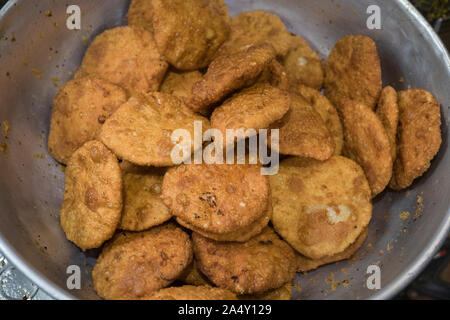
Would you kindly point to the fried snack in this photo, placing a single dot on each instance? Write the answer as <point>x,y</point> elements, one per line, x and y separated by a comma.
<point>126,56</point>
<point>189,32</point>
<point>255,28</point>
<point>92,203</point>
<point>140,130</point>
<point>79,110</point>
<point>140,14</point>
<point>303,132</point>
<point>305,264</point>
<point>254,108</point>
<point>419,136</point>
<point>229,73</point>
<point>180,84</point>
<point>367,143</point>
<point>282,293</point>
<point>353,71</point>
<point>218,198</point>
<point>263,263</point>
<point>239,235</point>
<point>327,112</point>
<point>192,293</point>
<point>320,208</point>
<point>134,265</point>
<point>143,206</point>
<point>303,65</point>
<point>276,76</point>
<point>192,276</point>
<point>388,113</point>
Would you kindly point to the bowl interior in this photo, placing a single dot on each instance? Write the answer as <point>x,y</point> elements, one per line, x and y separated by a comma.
<point>38,54</point>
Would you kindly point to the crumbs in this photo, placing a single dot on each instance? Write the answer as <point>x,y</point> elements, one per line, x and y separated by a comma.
<point>4,147</point>
<point>404,215</point>
<point>39,156</point>
<point>334,284</point>
<point>6,127</point>
<point>419,210</point>
<point>37,73</point>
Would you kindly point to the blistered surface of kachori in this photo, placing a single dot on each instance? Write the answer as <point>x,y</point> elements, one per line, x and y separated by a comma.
<point>320,208</point>
<point>92,203</point>
<point>134,265</point>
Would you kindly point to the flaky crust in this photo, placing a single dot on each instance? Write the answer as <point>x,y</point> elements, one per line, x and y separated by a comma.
<point>126,56</point>
<point>79,110</point>
<point>192,293</point>
<point>327,112</point>
<point>282,293</point>
<point>229,73</point>
<point>140,130</point>
<point>255,108</point>
<point>192,276</point>
<point>305,264</point>
<point>134,265</point>
<point>140,14</point>
<point>218,198</point>
<point>320,208</point>
<point>239,235</point>
<point>303,65</point>
<point>254,28</point>
<point>353,71</point>
<point>263,263</point>
<point>189,32</point>
<point>388,112</point>
<point>143,206</point>
<point>303,132</point>
<point>367,143</point>
<point>419,136</point>
<point>180,84</point>
<point>92,203</point>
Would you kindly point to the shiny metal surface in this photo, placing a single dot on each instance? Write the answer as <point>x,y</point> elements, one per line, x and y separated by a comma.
<point>37,52</point>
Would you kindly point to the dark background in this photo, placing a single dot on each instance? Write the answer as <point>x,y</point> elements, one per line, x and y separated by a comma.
<point>434,282</point>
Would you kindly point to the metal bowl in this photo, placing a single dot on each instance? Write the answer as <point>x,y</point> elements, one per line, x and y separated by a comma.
<point>38,52</point>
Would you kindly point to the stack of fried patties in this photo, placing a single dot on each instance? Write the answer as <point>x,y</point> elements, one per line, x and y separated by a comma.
<point>225,231</point>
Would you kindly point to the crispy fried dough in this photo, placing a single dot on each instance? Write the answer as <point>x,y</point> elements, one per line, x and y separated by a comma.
<point>192,276</point>
<point>126,56</point>
<point>263,263</point>
<point>320,208</point>
<point>140,14</point>
<point>255,28</point>
<point>353,71</point>
<point>189,32</point>
<point>229,73</point>
<point>79,110</point>
<point>282,293</point>
<point>180,84</point>
<point>192,293</point>
<point>367,143</point>
<point>140,130</point>
<point>134,265</point>
<point>303,65</point>
<point>388,113</point>
<point>419,136</point>
<point>218,198</point>
<point>92,203</point>
<point>327,112</point>
<point>254,108</point>
<point>305,264</point>
<point>303,132</point>
<point>239,235</point>
<point>143,206</point>
<point>275,74</point>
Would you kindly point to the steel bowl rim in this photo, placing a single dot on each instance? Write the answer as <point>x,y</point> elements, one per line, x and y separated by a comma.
<point>395,286</point>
